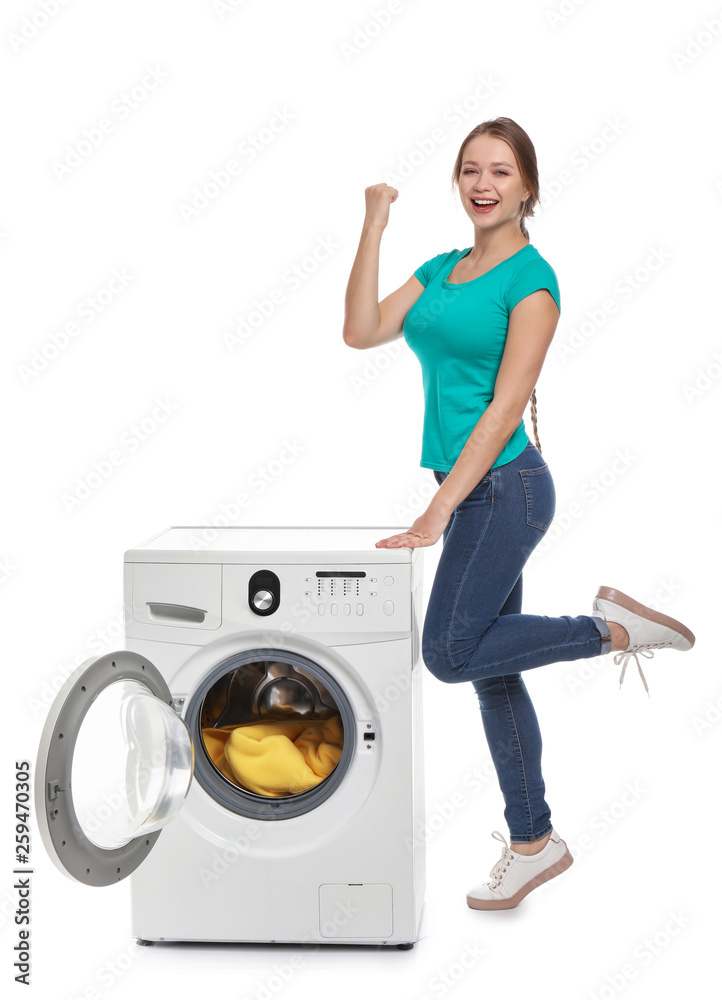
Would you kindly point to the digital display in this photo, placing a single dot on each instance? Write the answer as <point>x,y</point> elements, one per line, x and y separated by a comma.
<point>338,572</point>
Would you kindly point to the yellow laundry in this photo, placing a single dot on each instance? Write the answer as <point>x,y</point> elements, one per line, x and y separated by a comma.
<point>279,756</point>
<point>215,741</point>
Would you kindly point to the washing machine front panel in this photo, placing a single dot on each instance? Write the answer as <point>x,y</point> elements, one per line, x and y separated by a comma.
<point>369,833</point>
<point>115,764</point>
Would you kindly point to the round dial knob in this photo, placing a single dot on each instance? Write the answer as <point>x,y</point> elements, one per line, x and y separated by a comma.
<point>262,599</point>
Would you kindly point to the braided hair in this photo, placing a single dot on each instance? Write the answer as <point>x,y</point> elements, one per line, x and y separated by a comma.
<point>532,399</point>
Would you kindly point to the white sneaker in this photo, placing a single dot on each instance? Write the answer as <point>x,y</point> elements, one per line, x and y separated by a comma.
<point>515,875</point>
<point>647,629</point>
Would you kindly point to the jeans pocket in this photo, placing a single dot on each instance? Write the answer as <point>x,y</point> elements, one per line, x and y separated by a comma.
<point>540,496</point>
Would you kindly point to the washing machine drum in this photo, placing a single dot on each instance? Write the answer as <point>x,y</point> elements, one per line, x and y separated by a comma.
<point>275,731</point>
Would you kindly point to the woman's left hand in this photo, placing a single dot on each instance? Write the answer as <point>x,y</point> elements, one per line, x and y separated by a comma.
<point>426,530</point>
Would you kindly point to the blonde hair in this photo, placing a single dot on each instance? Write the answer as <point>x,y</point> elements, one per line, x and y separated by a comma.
<point>523,149</point>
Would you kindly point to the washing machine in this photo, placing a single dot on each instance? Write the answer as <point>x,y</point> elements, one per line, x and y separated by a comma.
<point>252,759</point>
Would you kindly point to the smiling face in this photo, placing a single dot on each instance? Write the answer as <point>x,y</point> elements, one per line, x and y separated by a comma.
<point>490,173</point>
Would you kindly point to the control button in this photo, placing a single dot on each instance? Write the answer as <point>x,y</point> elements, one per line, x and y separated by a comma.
<point>359,609</point>
<point>347,609</point>
<point>322,609</point>
<point>388,607</point>
<point>262,599</point>
<point>389,581</point>
<point>334,609</point>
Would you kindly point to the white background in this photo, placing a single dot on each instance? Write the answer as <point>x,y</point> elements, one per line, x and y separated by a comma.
<point>313,432</point>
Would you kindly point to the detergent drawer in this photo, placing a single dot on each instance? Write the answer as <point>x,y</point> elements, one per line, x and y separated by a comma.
<point>176,594</point>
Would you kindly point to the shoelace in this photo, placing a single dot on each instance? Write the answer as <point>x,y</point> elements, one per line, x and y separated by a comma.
<point>625,656</point>
<point>502,864</point>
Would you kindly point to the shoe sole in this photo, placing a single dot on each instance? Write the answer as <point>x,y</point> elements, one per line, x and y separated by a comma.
<point>627,602</point>
<point>506,904</point>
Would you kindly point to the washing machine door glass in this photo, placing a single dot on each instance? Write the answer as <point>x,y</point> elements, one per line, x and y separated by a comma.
<point>274,731</point>
<point>114,767</point>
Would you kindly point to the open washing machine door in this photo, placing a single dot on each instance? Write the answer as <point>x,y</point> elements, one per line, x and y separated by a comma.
<point>114,767</point>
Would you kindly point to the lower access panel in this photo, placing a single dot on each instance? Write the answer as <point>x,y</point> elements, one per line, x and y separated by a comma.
<point>354,911</point>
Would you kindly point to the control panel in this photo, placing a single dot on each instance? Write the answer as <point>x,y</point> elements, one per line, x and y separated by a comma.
<point>320,599</point>
<point>340,592</point>
<point>331,599</point>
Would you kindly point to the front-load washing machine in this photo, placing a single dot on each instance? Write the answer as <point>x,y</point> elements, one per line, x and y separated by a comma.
<point>253,758</point>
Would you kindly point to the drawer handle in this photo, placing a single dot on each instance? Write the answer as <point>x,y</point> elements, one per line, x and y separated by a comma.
<point>177,612</point>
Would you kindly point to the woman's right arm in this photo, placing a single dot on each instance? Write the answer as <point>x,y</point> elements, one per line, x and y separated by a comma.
<point>368,322</point>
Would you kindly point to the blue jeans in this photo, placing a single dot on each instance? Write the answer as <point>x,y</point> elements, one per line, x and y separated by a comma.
<point>474,629</point>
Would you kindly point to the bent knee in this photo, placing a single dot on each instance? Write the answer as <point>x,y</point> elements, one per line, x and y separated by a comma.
<point>447,655</point>
<point>439,660</point>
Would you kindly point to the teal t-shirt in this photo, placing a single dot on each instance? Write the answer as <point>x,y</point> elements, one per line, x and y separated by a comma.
<point>458,333</point>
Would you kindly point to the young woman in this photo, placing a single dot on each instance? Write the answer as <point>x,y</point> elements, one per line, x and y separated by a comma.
<point>481,320</point>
